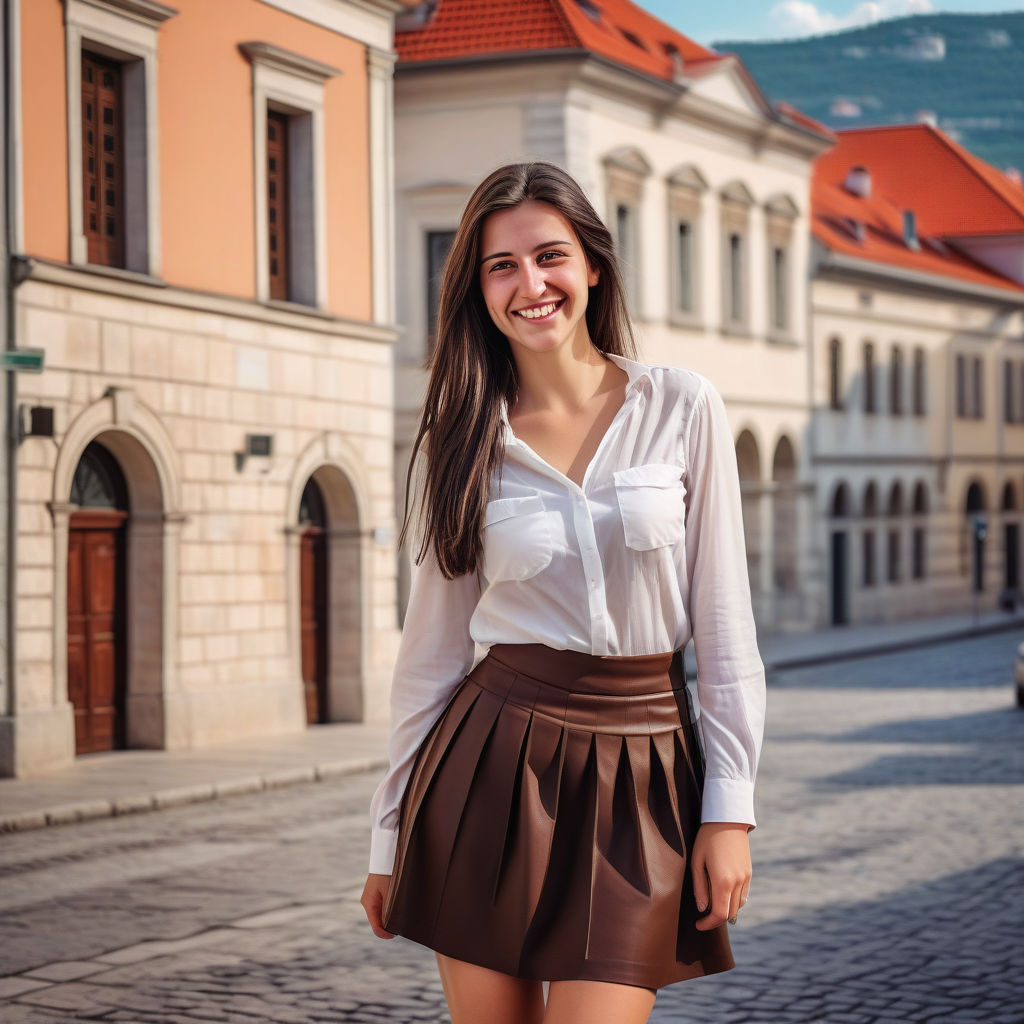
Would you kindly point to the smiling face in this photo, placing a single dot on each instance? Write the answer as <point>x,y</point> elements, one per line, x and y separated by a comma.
<point>535,277</point>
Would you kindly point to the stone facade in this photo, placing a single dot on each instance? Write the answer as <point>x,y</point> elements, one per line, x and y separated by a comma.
<point>180,376</point>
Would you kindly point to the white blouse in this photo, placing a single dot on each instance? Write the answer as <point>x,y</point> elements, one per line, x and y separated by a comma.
<point>647,553</point>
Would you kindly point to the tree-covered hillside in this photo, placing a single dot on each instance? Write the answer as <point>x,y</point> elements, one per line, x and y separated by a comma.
<point>965,69</point>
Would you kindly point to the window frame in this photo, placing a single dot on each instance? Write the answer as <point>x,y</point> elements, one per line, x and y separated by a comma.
<point>293,85</point>
<point>780,217</point>
<point>685,190</point>
<point>626,170</point>
<point>123,31</point>
<point>735,202</point>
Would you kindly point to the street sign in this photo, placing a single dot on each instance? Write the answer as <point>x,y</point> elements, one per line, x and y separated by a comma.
<point>28,360</point>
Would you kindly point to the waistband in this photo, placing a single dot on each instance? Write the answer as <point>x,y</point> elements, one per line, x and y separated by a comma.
<point>592,673</point>
<point>638,694</point>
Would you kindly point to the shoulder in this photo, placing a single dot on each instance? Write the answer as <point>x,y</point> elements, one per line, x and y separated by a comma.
<point>680,391</point>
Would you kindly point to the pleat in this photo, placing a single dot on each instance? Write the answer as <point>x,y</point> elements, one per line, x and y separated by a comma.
<point>525,865</point>
<point>662,797</point>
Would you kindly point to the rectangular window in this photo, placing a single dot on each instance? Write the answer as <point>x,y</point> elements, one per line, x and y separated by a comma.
<point>896,382</point>
<point>869,377</point>
<point>735,283</point>
<point>978,389</point>
<point>625,242</point>
<point>438,244</point>
<point>102,161</point>
<point>1009,405</point>
<point>919,382</point>
<point>961,385</point>
<point>835,374</point>
<point>684,256</point>
<point>277,203</point>
<point>780,275</point>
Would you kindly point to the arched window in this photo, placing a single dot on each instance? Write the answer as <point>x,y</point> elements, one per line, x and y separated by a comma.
<point>748,464</point>
<point>895,513</point>
<point>920,510</point>
<point>98,480</point>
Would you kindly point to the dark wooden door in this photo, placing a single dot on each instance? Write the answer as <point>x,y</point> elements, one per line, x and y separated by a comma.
<point>1012,538</point>
<point>840,612</point>
<point>313,621</point>
<point>96,634</point>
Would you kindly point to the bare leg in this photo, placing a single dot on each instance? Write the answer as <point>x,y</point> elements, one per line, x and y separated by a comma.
<point>598,1002</point>
<point>477,994</point>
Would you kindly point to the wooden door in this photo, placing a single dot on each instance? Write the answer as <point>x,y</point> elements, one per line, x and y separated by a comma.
<point>96,634</point>
<point>313,621</point>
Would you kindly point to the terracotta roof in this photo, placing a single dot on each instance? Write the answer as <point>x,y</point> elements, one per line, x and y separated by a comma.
<point>914,167</point>
<point>918,167</point>
<point>616,29</point>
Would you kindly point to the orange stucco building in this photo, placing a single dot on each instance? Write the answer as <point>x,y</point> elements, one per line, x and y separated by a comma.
<point>201,500</point>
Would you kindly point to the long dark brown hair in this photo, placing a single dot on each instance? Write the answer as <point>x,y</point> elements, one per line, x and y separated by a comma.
<point>472,367</point>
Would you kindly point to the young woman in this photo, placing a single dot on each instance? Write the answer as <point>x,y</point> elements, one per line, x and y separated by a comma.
<point>550,813</point>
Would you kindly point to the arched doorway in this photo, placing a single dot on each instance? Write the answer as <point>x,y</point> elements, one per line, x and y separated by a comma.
<point>748,462</point>
<point>96,634</point>
<point>840,556</point>
<point>784,518</point>
<point>313,575</point>
<point>976,528</point>
<point>1011,539</point>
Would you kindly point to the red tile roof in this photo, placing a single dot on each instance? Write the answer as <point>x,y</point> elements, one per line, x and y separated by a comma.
<point>620,30</point>
<point>914,167</point>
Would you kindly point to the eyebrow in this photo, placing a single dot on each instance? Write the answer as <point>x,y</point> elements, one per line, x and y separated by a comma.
<point>502,255</point>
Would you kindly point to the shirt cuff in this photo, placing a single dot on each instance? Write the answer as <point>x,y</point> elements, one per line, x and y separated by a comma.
<point>383,847</point>
<point>728,800</point>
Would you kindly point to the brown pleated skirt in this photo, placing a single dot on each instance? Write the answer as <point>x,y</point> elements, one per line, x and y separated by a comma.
<point>547,827</point>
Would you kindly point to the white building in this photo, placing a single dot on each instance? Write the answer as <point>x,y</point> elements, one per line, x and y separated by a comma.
<point>917,376</point>
<point>705,184</point>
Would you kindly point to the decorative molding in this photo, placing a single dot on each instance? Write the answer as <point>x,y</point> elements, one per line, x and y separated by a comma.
<point>687,176</point>
<point>291,63</point>
<point>147,12</point>
<point>150,291</point>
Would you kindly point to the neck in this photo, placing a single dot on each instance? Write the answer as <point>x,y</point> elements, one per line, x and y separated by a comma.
<point>563,379</point>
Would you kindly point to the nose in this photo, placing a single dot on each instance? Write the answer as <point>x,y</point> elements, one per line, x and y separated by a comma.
<point>532,281</point>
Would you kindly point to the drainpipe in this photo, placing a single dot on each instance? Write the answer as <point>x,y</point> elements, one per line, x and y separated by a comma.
<point>10,382</point>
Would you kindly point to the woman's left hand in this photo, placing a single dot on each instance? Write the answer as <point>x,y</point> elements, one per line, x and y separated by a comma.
<point>721,870</point>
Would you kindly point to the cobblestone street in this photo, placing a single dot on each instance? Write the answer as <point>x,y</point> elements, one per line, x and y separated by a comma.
<point>888,880</point>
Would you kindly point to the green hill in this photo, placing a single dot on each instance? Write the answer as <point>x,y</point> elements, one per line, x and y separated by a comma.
<point>970,75</point>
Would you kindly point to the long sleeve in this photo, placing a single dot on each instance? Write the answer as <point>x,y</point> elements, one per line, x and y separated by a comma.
<point>434,655</point>
<point>730,674</point>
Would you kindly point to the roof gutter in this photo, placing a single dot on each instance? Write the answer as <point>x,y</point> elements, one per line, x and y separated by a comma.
<point>841,263</point>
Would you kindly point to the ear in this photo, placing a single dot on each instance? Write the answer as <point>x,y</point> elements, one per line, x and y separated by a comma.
<point>593,274</point>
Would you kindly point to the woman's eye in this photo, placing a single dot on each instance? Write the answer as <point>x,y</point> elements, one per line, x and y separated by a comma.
<point>500,265</point>
<point>554,255</point>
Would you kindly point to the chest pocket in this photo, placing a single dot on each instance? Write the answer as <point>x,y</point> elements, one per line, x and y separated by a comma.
<point>517,541</point>
<point>651,504</point>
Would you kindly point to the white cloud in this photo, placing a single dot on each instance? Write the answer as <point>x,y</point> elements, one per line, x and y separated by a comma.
<point>793,18</point>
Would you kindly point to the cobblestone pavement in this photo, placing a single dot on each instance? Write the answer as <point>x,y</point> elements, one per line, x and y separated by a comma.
<point>888,880</point>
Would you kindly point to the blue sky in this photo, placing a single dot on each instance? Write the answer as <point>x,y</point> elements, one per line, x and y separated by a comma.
<point>787,19</point>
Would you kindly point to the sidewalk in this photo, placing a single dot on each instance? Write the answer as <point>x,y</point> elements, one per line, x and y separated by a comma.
<point>133,781</point>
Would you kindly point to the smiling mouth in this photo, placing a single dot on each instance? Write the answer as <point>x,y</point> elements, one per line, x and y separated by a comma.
<point>540,312</point>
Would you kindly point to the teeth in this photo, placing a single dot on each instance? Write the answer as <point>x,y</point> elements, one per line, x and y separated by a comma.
<point>538,311</point>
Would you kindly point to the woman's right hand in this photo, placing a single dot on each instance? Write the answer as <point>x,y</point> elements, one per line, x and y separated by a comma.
<point>374,893</point>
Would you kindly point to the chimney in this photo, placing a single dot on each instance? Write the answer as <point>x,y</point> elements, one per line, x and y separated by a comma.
<point>910,230</point>
<point>858,182</point>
